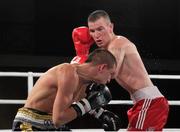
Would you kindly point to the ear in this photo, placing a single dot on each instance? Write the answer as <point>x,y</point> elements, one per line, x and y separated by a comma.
<point>102,67</point>
<point>112,27</point>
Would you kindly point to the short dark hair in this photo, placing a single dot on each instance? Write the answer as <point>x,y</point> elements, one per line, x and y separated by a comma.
<point>102,56</point>
<point>95,15</point>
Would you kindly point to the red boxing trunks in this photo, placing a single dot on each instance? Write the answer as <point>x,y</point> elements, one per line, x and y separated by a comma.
<point>150,111</point>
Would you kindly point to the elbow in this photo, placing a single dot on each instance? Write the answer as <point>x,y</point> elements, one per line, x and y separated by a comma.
<point>57,120</point>
<point>63,117</point>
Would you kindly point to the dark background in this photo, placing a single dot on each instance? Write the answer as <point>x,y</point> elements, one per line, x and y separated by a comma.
<point>36,35</point>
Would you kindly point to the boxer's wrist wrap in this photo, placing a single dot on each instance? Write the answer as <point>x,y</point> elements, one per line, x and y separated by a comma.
<point>97,112</point>
<point>95,99</point>
<point>82,107</point>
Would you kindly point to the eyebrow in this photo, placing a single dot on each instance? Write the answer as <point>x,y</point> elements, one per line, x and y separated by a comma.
<point>96,28</point>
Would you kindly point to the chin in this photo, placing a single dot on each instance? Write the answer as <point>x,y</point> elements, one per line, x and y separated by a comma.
<point>99,44</point>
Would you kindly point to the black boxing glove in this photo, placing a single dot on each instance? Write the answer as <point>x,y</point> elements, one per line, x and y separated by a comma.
<point>109,120</point>
<point>93,87</point>
<point>95,99</point>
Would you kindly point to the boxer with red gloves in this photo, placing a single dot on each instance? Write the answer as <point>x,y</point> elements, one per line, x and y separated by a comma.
<point>82,43</point>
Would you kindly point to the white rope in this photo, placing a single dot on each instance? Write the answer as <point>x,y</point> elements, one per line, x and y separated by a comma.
<point>164,76</point>
<point>101,130</point>
<point>30,76</point>
<point>19,74</point>
<point>30,81</point>
<point>35,74</point>
<point>129,102</point>
<point>113,102</point>
<point>10,101</point>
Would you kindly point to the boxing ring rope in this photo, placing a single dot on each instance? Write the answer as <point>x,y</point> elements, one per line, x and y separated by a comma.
<point>30,81</point>
<point>31,75</point>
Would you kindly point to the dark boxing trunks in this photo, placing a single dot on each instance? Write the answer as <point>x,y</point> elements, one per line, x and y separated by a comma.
<point>28,119</point>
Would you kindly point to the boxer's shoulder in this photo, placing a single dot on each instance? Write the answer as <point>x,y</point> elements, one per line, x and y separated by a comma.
<point>67,69</point>
<point>120,41</point>
<point>66,66</point>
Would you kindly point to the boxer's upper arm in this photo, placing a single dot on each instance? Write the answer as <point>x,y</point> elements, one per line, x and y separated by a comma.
<point>67,81</point>
<point>119,54</point>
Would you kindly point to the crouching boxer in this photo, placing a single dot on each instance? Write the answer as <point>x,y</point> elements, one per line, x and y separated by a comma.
<point>82,43</point>
<point>59,97</point>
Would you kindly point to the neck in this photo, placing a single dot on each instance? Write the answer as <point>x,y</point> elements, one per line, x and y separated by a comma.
<point>112,38</point>
<point>84,73</point>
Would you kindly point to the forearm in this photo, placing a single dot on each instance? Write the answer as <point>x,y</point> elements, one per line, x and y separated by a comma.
<point>64,117</point>
<point>98,98</point>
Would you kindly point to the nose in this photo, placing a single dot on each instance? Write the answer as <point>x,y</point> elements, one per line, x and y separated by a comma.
<point>96,34</point>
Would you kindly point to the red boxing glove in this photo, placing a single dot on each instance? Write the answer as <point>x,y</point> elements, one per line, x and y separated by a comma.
<point>79,59</point>
<point>82,43</point>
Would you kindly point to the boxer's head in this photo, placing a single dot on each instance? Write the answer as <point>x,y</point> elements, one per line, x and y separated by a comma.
<point>104,63</point>
<point>100,27</point>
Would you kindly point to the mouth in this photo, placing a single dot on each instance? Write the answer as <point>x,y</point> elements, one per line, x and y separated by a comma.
<point>99,42</point>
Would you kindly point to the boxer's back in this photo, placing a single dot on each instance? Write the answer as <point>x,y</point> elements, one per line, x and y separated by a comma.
<point>44,91</point>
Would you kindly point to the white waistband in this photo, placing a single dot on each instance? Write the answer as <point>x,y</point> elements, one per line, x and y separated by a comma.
<point>151,92</point>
